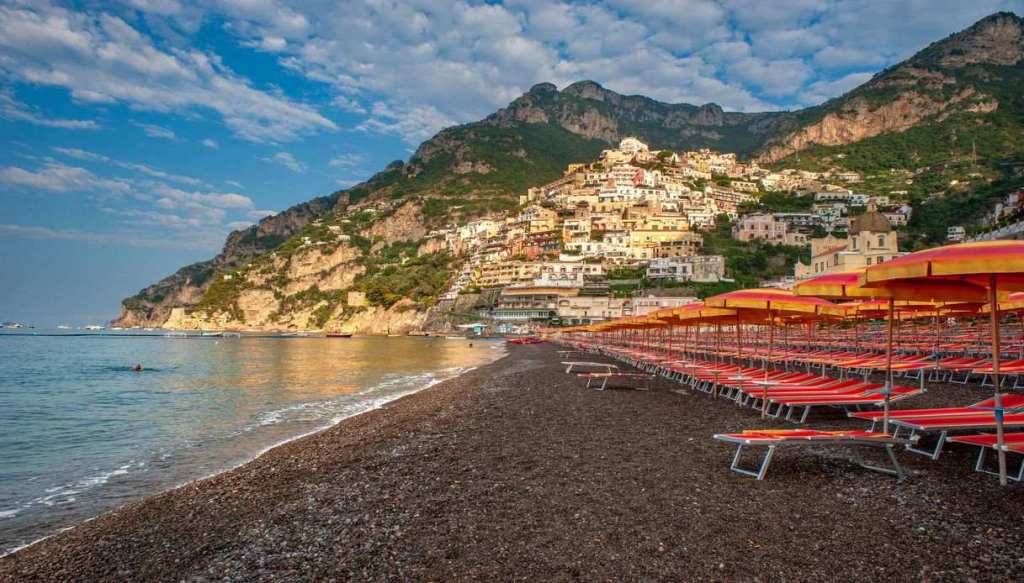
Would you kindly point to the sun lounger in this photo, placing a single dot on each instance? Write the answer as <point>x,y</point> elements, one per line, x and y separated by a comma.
<point>773,438</point>
<point>868,397</point>
<point>1008,401</point>
<point>580,364</point>
<point>946,424</point>
<point>604,377</point>
<point>1012,442</point>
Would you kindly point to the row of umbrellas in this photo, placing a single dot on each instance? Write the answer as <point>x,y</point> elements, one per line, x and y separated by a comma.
<point>962,279</point>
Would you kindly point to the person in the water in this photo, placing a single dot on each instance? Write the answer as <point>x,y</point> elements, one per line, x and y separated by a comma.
<point>137,368</point>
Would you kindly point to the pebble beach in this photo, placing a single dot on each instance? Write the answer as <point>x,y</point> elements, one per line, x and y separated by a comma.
<point>515,471</point>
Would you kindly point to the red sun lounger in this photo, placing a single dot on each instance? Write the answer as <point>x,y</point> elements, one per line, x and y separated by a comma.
<point>945,424</point>
<point>1012,442</point>
<point>773,438</point>
<point>1009,401</point>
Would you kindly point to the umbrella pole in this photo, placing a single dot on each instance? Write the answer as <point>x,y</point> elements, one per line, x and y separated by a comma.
<point>998,400</point>
<point>888,369</point>
<point>771,344</point>
<point>739,342</point>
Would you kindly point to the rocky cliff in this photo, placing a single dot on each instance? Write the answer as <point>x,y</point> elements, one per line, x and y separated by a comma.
<point>959,74</point>
<point>152,306</point>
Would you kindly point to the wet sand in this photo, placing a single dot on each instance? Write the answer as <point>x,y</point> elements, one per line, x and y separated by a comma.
<point>515,471</point>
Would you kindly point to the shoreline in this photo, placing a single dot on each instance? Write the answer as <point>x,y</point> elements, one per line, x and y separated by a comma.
<point>515,471</point>
<point>378,404</point>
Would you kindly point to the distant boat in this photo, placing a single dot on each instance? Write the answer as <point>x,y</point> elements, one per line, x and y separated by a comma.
<point>213,334</point>
<point>63,327</point>
<point>339,334</point>
<point>232,335</point>
<point>94,327</point>
<point>175,335</point>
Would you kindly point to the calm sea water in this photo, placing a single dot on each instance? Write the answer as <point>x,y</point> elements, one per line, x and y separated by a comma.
<point>81,433</point>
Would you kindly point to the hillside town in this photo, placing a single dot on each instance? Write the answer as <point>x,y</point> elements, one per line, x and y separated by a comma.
<point>640,214</point>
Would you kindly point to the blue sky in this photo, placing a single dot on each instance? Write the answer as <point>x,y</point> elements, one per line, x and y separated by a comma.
<point>137,133</point>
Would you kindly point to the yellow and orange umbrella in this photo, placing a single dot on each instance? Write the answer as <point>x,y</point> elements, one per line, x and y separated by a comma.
<point>993,265</point>
<point>768,303</point>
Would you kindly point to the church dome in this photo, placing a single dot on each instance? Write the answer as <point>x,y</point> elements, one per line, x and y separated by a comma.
<point>871,221</point>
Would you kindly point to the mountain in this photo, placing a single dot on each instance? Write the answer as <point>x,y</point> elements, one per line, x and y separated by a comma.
<point>970,72</point>
<point>960,97</point>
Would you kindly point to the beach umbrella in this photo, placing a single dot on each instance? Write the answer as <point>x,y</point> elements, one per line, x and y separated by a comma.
<point>851,285</point>
<point>996,266</point>
<point>766,303</point>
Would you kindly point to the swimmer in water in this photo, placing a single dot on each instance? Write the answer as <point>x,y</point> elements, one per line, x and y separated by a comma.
<point>137,368</point>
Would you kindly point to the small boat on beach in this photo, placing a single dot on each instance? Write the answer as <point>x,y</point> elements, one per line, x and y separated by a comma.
<point>339,334</point>
<point>212,334</point>
<point>176,334</point>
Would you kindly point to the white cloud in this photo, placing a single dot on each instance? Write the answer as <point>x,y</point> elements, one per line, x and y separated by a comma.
<point>234,183</point>
<point>348,104</point>
<point>825,90</point>
<point>57,177</point>
<point>79,154</point>
<point>239,225</point>
<point>209,143</point>
<point>170,197</point>
<point>287,160</point>
<point>414,67</point>
<point>196,241</point>
<point>100,58</point>
<point>847,57</point>
<point>12,109</point>
<point>259,214</point>
<point>155,131</point>
<point>346,160</point>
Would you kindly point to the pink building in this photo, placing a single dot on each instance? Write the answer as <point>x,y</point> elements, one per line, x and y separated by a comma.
<point>762,226</point>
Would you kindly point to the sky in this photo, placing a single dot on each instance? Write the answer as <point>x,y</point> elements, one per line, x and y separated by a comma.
<point>136,134</point>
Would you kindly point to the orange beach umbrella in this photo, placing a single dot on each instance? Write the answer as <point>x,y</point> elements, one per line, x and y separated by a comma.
<point>992,265</point>
<point>768,303</point>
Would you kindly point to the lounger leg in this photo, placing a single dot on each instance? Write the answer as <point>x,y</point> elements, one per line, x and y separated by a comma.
<point>807,411</point>
<point>895,470</point>
<point>932,453</point>
<point>761,470</point>
<point>979,466</point>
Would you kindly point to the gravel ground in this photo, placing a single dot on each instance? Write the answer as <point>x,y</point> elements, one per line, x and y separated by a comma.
<point>515,471</point>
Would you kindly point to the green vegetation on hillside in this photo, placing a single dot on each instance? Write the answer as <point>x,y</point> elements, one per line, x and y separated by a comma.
<point>748,263</point>
<point>951,170</point>
<point>421,279</point>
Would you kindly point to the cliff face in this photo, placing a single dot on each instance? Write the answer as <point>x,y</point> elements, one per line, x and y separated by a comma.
<point>152,306</point>
<point>955,75</point>
<point>589,110</point>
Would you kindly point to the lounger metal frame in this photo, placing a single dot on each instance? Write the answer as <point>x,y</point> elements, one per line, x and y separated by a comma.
<point>761,468</point>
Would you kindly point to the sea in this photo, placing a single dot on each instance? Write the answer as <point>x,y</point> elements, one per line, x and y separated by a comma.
<point>82,433</point>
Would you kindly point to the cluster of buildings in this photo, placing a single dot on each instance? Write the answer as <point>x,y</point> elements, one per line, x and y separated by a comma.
<point>641,212</point>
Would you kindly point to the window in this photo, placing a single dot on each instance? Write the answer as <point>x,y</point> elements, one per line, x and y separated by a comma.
<point>869,261</point>
<point>881,240</point>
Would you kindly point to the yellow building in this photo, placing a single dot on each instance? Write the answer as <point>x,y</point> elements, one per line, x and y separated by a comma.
<point>506,273</point>
<point>870,241</point>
